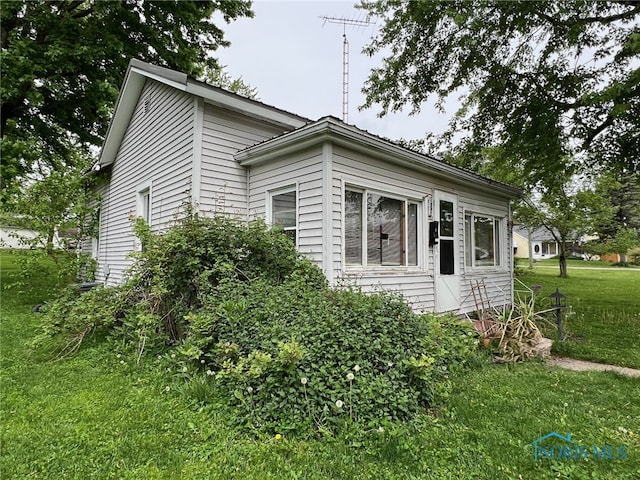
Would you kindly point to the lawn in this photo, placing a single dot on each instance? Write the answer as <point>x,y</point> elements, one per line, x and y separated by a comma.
<point>603,323</point>
<point>99,415</point>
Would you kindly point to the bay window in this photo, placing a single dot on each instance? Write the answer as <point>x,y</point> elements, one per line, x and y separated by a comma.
<point>380,230</point>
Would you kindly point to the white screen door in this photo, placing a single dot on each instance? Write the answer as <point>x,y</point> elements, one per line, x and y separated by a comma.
<point>446,261</point>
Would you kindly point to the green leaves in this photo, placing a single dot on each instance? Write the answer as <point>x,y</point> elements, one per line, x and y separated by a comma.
<point>543,80</point>
<point>63,62</point>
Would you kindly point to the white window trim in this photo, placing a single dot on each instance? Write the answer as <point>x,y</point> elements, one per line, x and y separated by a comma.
<point>269,206</point>
<point>141,190</point>
<point>499,235</point>
<point>406,199</point>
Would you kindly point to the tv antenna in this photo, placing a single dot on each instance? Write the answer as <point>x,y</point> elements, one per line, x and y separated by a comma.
<point>345,56</point>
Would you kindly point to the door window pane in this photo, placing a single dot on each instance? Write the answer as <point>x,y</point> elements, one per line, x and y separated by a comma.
<point>446,218</point>
<point>447,259</point>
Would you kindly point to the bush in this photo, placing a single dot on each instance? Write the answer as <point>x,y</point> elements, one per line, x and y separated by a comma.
<point>288,352</point>
<point>291,357</point>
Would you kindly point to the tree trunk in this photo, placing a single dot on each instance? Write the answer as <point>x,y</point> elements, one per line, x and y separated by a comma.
<point>49,246</point>
<point>562,260</point>
<point>623,259</point>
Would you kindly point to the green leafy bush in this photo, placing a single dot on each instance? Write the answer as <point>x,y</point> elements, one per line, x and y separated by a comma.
<point>288,352</point>
<point>295,356</point>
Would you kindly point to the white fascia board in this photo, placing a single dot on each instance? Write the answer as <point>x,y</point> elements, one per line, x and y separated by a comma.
<point>125,106</point>
<point>343,135</point>
<point>245,106</point>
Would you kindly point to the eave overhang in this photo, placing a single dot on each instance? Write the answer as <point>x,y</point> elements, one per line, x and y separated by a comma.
<point>330,129</point>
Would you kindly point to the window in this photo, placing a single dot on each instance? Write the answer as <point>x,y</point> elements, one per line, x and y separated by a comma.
<point>482,240</point>
<point>380,230</point>
<point>95,240</point>
<point>284,212</point>
<point>144,207</point>
<point>549,248</point>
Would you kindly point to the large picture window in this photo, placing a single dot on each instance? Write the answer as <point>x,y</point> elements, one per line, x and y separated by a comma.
<point>380,230</point>
<point>284,212</point>
<point>482,240</point>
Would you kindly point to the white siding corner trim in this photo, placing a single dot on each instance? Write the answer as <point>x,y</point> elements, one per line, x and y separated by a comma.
<point>327,212</point>
<point>196,167</point>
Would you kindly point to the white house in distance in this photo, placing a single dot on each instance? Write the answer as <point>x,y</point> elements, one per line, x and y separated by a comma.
<point>543,245</point>
<point>361,207</point>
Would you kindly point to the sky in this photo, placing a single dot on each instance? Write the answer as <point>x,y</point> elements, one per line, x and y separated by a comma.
<point>294,60</point>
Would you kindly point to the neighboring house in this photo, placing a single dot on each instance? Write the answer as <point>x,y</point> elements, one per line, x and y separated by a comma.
<point>364,209</point>
<point>543,245</point>
<point>23,238</point>
<point>16,237</point>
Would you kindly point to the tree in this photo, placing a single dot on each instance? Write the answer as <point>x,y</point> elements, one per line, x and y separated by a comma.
<point>625,240</point>
<point>63,61</point>
<point>543,80</point>
<point>219,77</point>
<point>62,211</point>
<point>624,193</point>
<point>567,212</point>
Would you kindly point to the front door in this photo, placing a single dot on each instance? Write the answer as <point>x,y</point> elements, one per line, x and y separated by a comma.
<point>446,261</point>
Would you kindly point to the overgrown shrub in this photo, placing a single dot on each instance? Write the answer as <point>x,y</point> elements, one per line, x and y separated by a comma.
<point>292,357</point>
<point>287,351</point>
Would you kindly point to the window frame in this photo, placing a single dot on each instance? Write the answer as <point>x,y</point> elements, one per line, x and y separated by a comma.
<point>144,190</point>
<point>364,260</point>
<point>499,240</point>
<point>271,194</point>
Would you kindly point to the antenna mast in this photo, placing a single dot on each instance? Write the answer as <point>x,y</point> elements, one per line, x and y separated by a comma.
<point>345,57</point>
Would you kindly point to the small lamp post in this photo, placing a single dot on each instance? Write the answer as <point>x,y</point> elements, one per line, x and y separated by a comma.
<point>558,302</point>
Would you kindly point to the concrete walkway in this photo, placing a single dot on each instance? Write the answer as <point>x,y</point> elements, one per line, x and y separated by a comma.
<point>584,366</point>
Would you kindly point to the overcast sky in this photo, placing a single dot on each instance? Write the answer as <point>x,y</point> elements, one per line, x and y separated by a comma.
<point>294,59</point>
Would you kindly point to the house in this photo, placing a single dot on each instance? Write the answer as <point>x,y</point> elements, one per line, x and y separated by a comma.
<point>364,209</point>
<point>543,244</point>
<point>16,237</point>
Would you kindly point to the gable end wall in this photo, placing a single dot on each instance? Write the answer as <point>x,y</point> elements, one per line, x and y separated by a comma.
<point>158,148</point>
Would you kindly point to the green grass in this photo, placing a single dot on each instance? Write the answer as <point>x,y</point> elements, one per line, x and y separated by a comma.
<point>603,324</point>
<point>98,415</point>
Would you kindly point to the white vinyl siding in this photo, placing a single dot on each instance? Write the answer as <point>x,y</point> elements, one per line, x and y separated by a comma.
<point>497,279</point>
<point>223,180</point>
<point>157,147</point>
<point>370,174</point>
<point>417,285</point>
<point>305,170</point>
